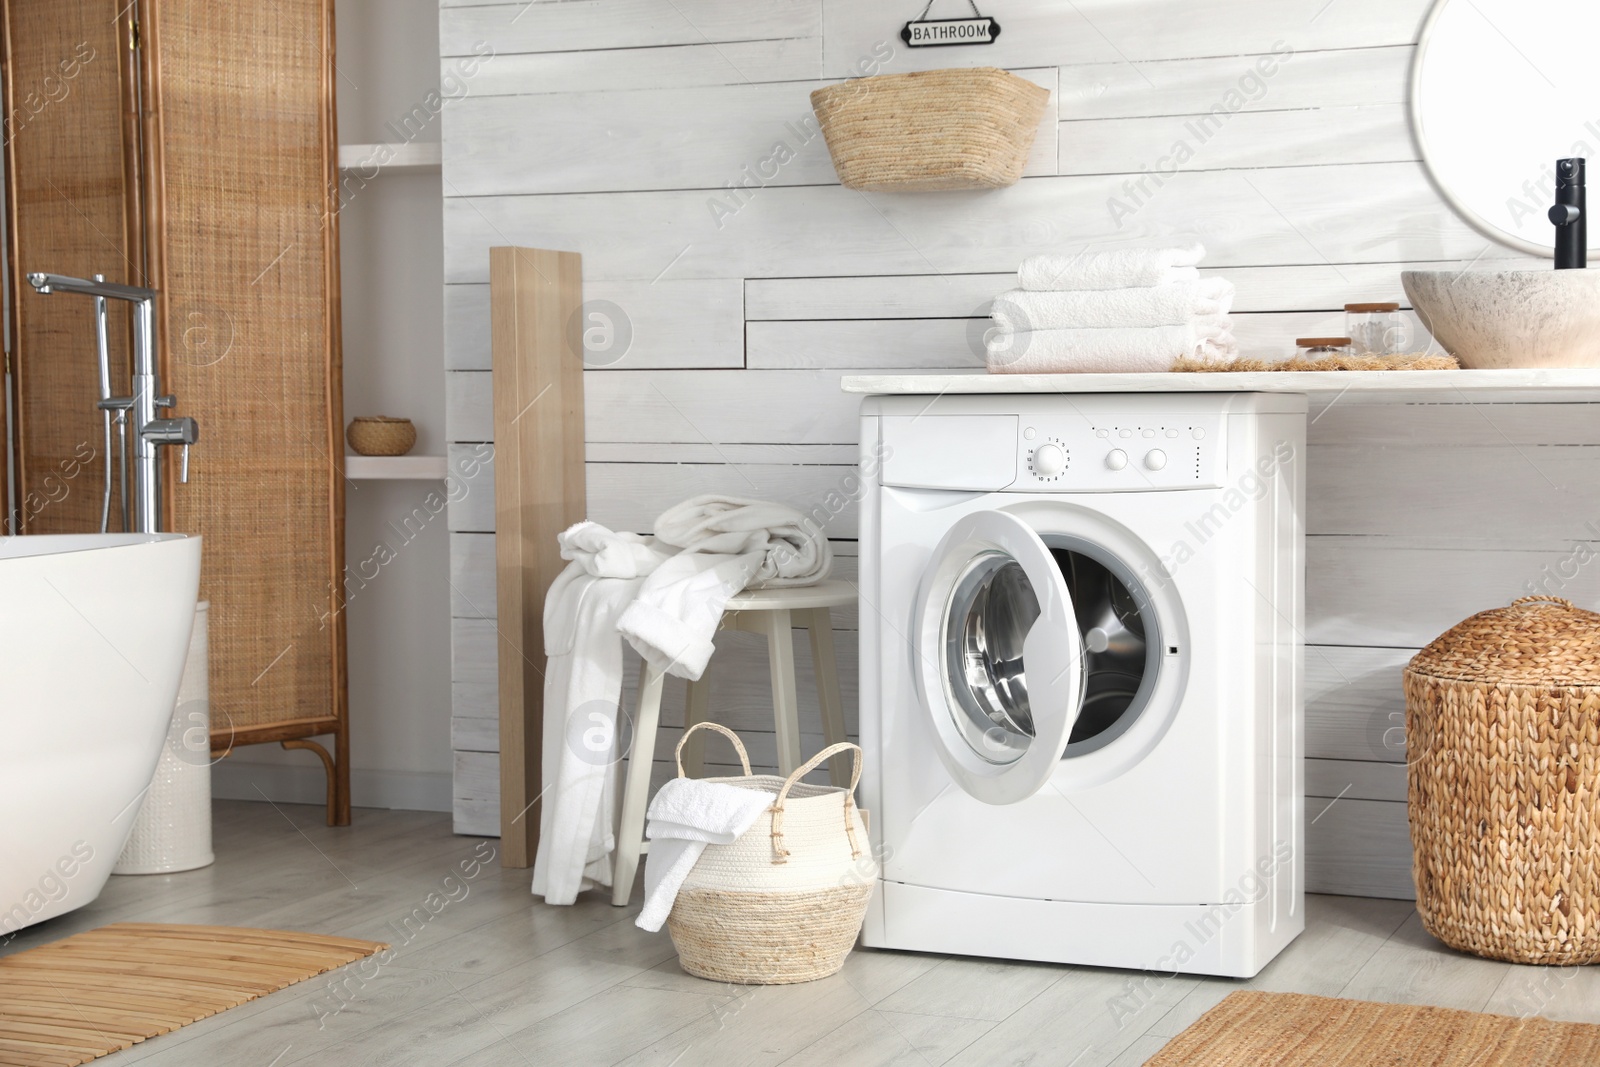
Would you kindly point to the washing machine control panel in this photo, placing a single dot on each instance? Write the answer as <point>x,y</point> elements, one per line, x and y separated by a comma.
<point>1072,453</point>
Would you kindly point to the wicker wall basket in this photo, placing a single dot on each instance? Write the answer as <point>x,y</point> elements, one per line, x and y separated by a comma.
<point>970,128</point>
<point>1503,738</point>
<point>785,902</point>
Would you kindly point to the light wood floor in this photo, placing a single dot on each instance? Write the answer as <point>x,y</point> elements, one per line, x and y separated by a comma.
<point>486,976</point>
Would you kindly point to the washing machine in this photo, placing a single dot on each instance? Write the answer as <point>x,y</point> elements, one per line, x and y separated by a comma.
<point>1081,676</point>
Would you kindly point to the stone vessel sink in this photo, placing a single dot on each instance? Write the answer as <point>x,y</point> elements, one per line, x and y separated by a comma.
<point>1522,318</point>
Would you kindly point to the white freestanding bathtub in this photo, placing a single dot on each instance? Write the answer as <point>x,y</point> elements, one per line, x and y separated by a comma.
<point>94,631</point>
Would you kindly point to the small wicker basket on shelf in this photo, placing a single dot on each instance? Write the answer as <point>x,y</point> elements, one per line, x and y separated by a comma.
<point>1503,741</point>
<point>379,435</point>
<point>970,128</point>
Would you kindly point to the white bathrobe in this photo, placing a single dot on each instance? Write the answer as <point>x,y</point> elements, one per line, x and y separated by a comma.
<point>582,685</point>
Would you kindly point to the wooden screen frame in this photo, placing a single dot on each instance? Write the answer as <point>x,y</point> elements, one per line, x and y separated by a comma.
<point>295,733</point>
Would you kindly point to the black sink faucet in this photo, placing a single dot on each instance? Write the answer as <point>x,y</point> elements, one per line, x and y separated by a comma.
<point>1569,216</point>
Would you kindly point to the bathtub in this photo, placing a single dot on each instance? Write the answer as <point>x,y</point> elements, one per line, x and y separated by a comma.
<point>94,631</point>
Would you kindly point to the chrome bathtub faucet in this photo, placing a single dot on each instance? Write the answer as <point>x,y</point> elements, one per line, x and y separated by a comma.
<point>149,432</point>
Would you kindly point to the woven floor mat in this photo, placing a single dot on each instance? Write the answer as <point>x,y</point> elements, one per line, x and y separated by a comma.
<point>1252,1029</point>
<point>98,992</point>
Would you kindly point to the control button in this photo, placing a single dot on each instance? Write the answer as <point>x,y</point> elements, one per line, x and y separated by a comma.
<point>1124,433</point>
<point>1102,432</point>
<point>1029,434</point>
<point>1148,433</point>
<point>1199,433</point>
<point>1172,433</point>
<point>1049,460</point>
<point>1117,459</point>
<point>1155,459</point>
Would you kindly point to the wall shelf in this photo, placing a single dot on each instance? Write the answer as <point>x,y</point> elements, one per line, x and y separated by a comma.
<point>410,158</point>
<point>395,468</point>
<point>1554,385</point>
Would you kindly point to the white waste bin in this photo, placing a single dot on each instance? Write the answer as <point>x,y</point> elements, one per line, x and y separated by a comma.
<point>172,831</point>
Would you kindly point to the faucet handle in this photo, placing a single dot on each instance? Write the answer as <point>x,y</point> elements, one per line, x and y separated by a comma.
<point>183,471</point>
<point>168,401</point>
<point>1565,214</point>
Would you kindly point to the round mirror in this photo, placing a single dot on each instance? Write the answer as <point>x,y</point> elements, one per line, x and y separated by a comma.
<point>1501,89</point>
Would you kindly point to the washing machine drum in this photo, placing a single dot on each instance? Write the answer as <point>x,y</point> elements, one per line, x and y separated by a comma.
<point>1032,648</point>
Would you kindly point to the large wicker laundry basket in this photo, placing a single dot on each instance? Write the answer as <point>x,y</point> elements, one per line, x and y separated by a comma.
<point>970,128</point>
<point>785,902</point>
<point>1503,738</point>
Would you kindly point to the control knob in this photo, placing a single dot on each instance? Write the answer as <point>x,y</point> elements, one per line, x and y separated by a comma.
<point>1049,460</point>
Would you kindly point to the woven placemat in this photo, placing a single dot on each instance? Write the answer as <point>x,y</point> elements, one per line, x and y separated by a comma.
<point>1252,1029</point>
<point>1411,362</point>
<point>96,993</point>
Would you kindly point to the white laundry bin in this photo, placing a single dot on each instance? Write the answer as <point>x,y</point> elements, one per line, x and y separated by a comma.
<point>172,831</point>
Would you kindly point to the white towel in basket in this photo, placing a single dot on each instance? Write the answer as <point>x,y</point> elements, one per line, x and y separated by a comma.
<point>686,815</point>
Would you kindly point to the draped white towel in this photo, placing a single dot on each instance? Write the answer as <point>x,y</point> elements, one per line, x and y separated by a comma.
<point>606,554</point>
<point>1122,268</point>
<point>686,815</point>
<point>1161,305</point>
<point>728,543</point>
<point>1108,351</point>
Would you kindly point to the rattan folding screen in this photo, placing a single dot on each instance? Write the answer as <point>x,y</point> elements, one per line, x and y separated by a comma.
<point>190,146</point>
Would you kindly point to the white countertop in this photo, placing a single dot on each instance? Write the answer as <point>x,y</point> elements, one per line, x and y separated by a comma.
<point>1558,385</point>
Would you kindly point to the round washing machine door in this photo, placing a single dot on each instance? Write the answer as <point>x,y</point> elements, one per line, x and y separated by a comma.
<point>1000,657</point>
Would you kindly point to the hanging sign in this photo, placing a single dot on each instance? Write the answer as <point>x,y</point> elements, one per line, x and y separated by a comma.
<point>923,32</point>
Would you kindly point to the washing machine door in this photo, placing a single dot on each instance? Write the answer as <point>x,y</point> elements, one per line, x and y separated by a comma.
<point>1000,657</point>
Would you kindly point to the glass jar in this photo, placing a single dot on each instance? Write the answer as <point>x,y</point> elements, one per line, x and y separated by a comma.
<point>1321,347</point>
<point>1375,329</point>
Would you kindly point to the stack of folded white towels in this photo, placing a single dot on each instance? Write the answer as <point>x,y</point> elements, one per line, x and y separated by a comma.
<point>1122,311</point>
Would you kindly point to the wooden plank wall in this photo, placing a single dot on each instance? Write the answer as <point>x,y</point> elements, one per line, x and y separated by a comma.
<point>618,127</point>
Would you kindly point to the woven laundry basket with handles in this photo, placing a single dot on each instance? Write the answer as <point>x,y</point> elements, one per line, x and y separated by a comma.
<point>784,902</point>
<point>928,130</point>
<point>1503,744</point>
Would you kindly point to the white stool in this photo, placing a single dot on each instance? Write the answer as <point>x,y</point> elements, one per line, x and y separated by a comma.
<point>774,613</point>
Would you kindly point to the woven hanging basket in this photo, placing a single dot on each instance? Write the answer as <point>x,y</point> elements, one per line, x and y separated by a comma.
<point>1503,738</point>
<point>785,902</point>
<point>379,435</point>
<point>969,128</point>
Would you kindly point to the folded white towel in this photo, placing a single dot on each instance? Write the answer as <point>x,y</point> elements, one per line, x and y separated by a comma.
<point>1123,268</point>
<point>1109,351</point>
<point>687,815</point>
<point>728,543</point>
<point>1160,305</point>
<point>606,554</point>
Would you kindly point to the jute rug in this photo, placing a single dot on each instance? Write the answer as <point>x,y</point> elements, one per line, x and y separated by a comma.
<point>93,994</point>
<point>1252,1029</point>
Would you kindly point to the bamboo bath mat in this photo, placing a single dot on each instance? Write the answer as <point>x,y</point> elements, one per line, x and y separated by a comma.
<point>96,993</point>
<point>1252,1029</point>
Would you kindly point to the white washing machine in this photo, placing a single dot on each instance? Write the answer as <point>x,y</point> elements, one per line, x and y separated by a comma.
<point>1081,676</point>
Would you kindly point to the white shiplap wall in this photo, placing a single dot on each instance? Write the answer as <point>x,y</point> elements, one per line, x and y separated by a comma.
<point>611,127</point>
